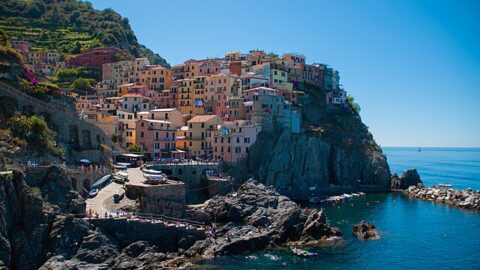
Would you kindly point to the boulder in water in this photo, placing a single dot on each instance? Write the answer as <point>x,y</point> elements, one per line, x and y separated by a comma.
<point>365,231</point>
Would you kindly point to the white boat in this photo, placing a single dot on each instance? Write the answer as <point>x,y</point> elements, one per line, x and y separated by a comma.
<point>345,195</point>
<point>150,171</point>
<point>92,193</point>
<point>446,185</point>
<point>155,176</point>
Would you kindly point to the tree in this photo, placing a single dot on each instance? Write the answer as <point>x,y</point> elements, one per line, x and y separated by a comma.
<point>135,148</point>
<point>82,84</point>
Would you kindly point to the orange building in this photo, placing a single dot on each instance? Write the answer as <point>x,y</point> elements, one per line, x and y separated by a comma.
<point>156,77</point>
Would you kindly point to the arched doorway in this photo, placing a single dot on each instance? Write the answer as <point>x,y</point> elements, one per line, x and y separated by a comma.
<point>86,139</point>
<point>74,138</point>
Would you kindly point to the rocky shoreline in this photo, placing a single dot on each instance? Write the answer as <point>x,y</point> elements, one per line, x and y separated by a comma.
<point>468,199</point>
<point>252,218</point>
<point>409,183</point>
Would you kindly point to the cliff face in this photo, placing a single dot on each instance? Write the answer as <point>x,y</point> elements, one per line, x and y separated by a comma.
<point>334,152</point>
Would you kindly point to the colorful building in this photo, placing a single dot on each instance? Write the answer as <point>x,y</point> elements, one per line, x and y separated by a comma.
<point>199,134</point>
<point>156,137</point>
<point>95,57</point>
<point>156,77</point>
<point>231,109</point>
<point>232,140</point>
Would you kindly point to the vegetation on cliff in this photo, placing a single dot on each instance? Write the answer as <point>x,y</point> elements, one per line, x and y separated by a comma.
<point>71,27</point>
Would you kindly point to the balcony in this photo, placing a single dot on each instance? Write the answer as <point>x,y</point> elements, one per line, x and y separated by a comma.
<point>164,139</point>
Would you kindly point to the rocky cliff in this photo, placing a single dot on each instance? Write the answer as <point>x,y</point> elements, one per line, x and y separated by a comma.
<point>334,152</point>
<point>41,227</point>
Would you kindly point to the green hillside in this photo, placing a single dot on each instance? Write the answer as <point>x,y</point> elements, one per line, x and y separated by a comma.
<point>70,27</point>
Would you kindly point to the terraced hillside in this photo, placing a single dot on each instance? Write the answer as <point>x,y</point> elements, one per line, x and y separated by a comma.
<point>70,27</point>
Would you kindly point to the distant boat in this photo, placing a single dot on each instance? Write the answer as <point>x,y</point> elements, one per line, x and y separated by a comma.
<point>446,185</point>
<point>303,253</point>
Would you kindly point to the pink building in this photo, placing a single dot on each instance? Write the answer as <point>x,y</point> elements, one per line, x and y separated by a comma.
<point>95,57</point>
<point>156,137</point>
<point>233,141</point>
<point>160,99</point>
<point>21,46</point>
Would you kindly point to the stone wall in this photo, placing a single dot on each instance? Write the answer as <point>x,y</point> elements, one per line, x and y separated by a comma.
<point>71,130</point>
<point>166,199</point>
<point>194,177</point>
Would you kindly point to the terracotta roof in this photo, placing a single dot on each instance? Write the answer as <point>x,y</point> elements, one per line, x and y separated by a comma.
<point>201,118</point>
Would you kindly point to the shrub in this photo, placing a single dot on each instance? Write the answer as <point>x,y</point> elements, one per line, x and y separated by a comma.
<point>35,132</point>
<point>353,105</point>
<point>135,148</point>
<point>82,84</point>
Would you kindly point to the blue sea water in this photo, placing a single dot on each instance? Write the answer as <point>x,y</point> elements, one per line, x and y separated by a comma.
<point>458,166</point>
<point>414,234</point>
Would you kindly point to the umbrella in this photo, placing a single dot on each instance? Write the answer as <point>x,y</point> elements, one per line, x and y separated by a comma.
<point>86,161</point>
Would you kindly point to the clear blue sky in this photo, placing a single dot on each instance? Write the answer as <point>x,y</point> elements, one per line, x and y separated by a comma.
<point>414,66</point>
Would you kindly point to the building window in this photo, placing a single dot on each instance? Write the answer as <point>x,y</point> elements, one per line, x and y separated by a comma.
<point>142,134</point>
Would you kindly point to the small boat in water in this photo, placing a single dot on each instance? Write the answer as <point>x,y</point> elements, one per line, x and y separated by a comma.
<point>445,185</point>
<point>303,253</point>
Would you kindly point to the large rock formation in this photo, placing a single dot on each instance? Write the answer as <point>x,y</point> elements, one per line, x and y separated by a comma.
<point>334,152</point>
<point>256,217</point>
<point>409,178</point>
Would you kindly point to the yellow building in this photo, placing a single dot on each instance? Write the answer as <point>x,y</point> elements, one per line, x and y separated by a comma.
<point>198,101</point>
<point>126,127</point>
<point>184,95</point>
<point>199,135</point>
